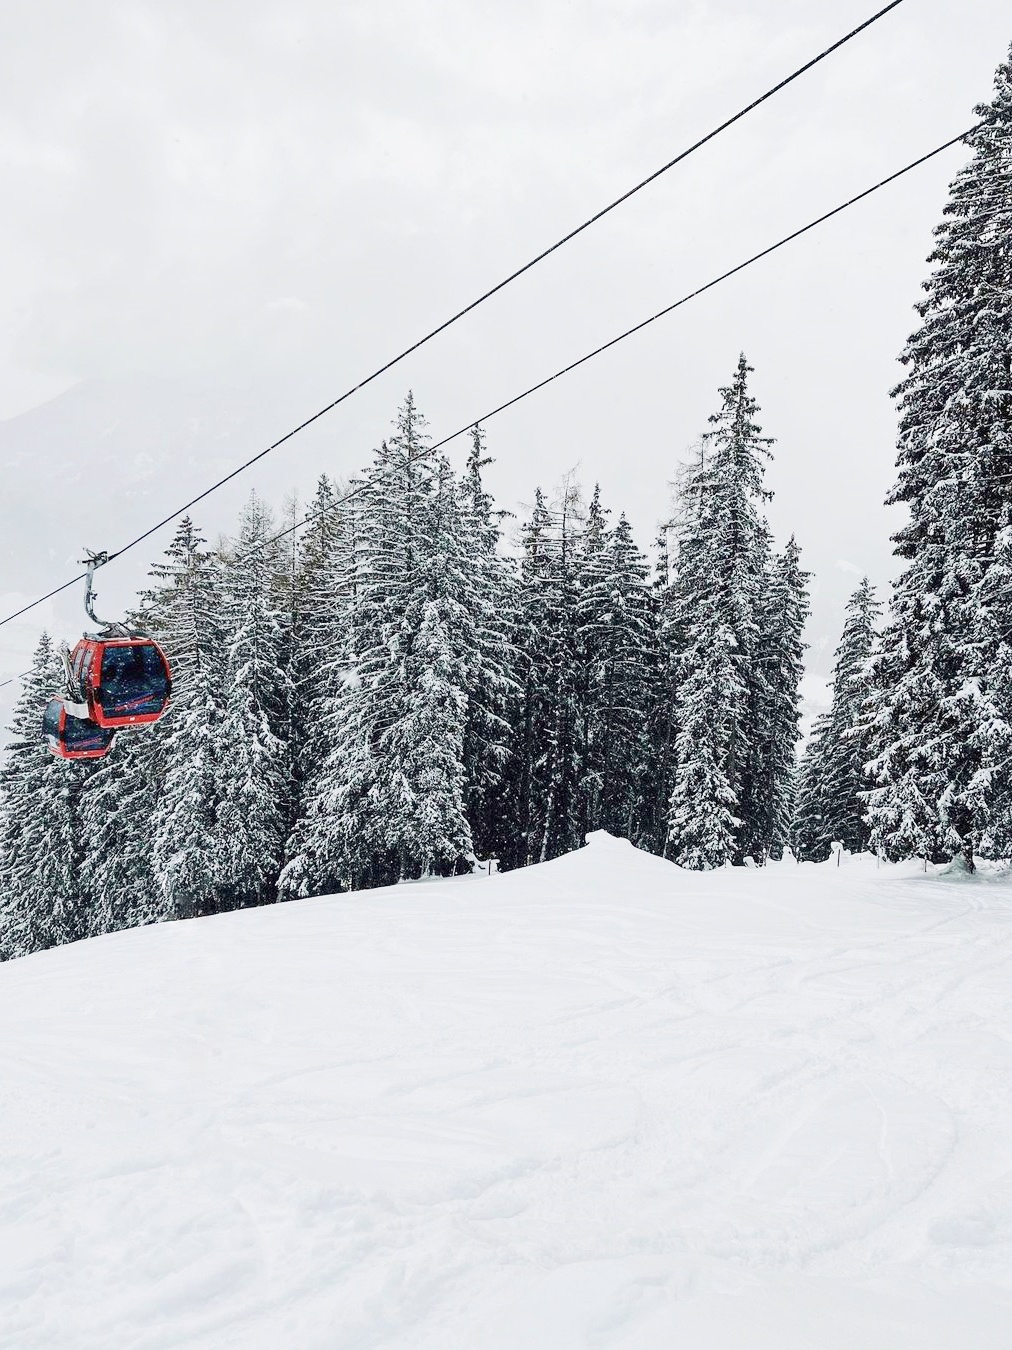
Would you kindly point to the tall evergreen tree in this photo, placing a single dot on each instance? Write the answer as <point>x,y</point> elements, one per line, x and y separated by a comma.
<point>723,551</point>
<point>662,694</point>
<point>544,780</point>
<point>811,835</point>
<point>494,676</point>
<point>942,729</point>
<point>423,785</point>
<point>617,632</point>
<point>768,801</point>
<point>42,903</point>
<point>254,766</point>
<point>184,610</point>
<point>117,804</point>
<point>390,800</point>
<point>320,604</point>
<point>831,780</point>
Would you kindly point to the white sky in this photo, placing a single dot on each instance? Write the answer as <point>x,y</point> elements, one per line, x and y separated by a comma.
<point>280,196</point>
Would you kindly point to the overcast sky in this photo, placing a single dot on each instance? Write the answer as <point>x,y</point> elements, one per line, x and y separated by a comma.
<point>280,196</point>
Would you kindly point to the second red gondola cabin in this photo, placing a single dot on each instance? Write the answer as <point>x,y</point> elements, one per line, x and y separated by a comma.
<point>126,681</point>
<point>72,737</point>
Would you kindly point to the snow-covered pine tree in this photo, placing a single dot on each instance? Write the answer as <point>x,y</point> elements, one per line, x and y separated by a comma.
<point>338,841</point>
<point>389,803</point>
<point>831,780</point>
<point>558,822</point>
<point>422,782</point>
<point>288,602</point>
<point>253,772</point>
<point>42,903</point>
<point>767,805</point>
<point>810,833</point>
<point>591,570</point>
<point>320,606</point>
<point>115,812</point>
<point>544,772</point>
<point>941,733</point>
<point>524,777</point>
<point>703,824</point>
<point>184,611</point>
<point>317,855</point>
<point>723,550</point>
<point>617,632</point>
<point>660,723</point>
<point>494,681</point>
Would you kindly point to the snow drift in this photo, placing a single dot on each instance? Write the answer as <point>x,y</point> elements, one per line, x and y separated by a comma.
<point>598,1103</point>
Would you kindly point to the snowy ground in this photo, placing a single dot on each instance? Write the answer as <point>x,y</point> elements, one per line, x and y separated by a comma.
<point>601,1103</point>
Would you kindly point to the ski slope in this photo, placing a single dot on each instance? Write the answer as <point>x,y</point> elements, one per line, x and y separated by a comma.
<point>600,1103</point>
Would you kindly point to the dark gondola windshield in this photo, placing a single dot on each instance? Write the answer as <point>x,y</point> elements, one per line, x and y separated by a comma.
<point>133,680</point>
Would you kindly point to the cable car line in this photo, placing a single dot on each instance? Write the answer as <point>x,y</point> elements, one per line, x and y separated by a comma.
<point>605,346</point>
<point>573,365</point>
<point>541,384</point>
<point>591,220</point>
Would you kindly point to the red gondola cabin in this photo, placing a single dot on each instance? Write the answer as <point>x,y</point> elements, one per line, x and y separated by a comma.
<point>73,737</point>
<point>126,681</point>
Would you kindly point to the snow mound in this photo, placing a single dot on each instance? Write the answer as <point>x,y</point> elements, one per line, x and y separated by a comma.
<point>599,1103</point>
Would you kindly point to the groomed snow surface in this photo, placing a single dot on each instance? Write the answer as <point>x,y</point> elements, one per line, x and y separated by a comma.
<point>598,1103</point>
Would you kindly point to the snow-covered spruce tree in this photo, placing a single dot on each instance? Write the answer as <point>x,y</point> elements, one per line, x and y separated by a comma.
<point>339,842</point>
<point>941,739</point>
<point>335,844</point>
<point>41,900</point>
<point>288,603</point>
<point>323,671</point>
<point>494,680</point>
<point>389,803</point>
<point>767,804</point>
<point>320,599</point>
<point>423,785</point>
<point>810,835</point>
<point>253,772</point>
<point>184,611</point>
<point>544,771</point>
<point>721,582</point>
<point>702,821</point>
<point>831,778</point>
<point>590,570</point>
<point>117,803</point>
<point>617,632</point>
<point>660,722</point>
<point>556,740</point>
<point>524,781</point>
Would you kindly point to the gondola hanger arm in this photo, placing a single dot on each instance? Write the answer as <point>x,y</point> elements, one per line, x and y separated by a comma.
<point>93,561</point>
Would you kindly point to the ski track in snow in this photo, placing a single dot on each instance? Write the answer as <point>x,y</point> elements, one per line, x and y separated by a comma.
<point>599,1103</point>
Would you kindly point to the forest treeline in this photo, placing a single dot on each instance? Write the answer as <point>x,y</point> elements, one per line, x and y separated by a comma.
<point>396,695</point>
